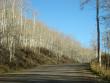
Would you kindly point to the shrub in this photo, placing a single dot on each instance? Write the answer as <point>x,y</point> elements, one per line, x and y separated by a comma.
<point>101,71</point>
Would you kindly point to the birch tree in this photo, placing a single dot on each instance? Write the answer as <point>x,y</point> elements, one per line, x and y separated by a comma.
<point>97,26</point>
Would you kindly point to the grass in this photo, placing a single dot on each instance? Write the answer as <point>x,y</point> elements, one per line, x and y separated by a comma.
<point>26,58</point>
<point>4,69</point>
<point>102,71</point>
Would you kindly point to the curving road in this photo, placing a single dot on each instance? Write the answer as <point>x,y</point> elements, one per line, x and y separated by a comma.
<point>77,73</point>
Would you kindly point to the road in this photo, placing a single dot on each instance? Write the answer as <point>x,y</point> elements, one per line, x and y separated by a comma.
<point>77,73</point>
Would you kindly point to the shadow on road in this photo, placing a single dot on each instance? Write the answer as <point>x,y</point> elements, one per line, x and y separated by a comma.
<point>78,73</point>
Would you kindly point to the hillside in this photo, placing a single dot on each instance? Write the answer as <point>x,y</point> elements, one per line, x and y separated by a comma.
<point>28,42</point>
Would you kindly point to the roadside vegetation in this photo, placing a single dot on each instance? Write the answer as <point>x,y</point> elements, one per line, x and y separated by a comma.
<point>104,70</point>
<point>27,58</point>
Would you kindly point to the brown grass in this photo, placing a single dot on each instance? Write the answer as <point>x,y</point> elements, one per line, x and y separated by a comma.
<point>4,69</point>
<point>101,71</point>
<point>26,58</point>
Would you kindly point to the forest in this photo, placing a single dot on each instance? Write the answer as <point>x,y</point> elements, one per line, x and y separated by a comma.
<point>27,42</point>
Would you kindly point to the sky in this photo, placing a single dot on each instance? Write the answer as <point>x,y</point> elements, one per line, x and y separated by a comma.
<point>67,17</point>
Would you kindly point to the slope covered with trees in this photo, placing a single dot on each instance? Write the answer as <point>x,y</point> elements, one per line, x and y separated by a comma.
<point>27,42</point>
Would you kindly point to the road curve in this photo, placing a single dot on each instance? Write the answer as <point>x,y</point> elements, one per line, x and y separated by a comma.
<point>74,73</point>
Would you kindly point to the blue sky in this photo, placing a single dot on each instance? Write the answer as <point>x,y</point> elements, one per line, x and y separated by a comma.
<point>67,17</point>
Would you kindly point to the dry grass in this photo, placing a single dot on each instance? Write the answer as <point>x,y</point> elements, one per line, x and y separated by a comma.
<point>101,71</point>
<point>27,58</point>
<point>4,69</point>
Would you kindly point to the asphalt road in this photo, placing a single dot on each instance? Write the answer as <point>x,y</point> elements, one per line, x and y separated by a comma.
<point>74,73</point>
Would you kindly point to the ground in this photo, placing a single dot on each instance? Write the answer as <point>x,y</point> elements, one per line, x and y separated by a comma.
<point>72,73</point>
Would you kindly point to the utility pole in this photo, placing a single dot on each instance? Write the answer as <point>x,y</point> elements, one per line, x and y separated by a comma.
<point>98,32</point>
